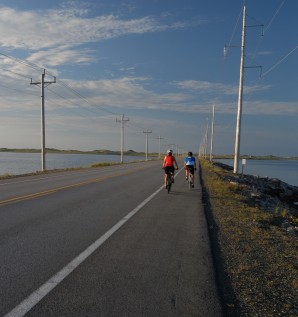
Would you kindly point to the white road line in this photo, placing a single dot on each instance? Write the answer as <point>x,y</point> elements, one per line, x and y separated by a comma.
<point>33,299</point>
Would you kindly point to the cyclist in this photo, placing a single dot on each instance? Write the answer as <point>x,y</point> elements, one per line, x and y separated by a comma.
<point>168,165</point>
<point>190,166</point>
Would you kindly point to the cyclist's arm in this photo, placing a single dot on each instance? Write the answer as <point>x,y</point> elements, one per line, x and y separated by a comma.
<point>164,161</point>
<point>175,162</point>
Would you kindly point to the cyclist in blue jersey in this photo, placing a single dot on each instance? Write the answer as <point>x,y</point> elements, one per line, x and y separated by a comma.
<point>190,166</point>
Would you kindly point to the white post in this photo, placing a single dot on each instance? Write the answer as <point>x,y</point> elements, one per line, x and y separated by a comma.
<point>240,96</point>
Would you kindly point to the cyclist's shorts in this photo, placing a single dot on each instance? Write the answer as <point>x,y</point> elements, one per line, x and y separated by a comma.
<point>169,169</point>
<point>191,169</point>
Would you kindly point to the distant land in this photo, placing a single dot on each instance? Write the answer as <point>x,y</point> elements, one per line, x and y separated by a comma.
<point>255,157</point>
<point>134,153</point>
<point>101,152</point>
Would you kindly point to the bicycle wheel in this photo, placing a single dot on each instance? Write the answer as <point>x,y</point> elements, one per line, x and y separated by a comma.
<point>169,184</point>
<point>189,180</point>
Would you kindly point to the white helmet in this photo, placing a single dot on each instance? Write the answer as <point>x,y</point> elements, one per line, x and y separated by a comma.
<point>169,151</point>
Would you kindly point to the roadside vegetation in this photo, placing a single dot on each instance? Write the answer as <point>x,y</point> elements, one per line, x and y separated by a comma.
<point>257,264</point>
<point>51,171</point>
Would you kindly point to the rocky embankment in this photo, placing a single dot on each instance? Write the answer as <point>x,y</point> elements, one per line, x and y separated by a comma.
<point>271,194</point>
<point>253,229</point>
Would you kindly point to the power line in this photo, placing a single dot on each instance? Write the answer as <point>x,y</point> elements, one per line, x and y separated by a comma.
<point>23,62</point>
<point>21,75</point>
<point>18,90</point>
<point>280,61</point>
<point>274,16</point>
<point>84,99</point>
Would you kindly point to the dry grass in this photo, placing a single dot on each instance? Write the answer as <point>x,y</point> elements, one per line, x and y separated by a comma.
<point>257,262</point>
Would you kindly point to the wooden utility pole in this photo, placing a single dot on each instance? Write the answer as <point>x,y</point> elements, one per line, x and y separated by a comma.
<point>159,138</point>
<point>42,84</point>
<point>212,135</point>
<point>240,96</point>
<point>147,132</point>
<point>122,120</point>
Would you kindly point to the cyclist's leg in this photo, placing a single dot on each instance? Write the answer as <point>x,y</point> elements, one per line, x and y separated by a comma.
<point>192,172</point>
<point>166,175</point>
<point>173,173</point>
<point>186,172</point>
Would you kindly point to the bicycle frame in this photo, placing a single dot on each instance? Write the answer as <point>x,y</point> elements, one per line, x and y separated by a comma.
<point>189,178</point>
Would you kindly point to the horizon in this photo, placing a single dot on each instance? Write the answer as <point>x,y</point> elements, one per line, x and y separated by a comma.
<point>231,156</point>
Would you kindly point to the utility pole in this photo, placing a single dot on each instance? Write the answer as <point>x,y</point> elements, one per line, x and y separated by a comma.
<point>206,143</point>
<point>122,120</point>
<point>240,95</point>
<point>43,137</point>
<point>212,134</point>
<point>159,138</point>
<point>147,132</point>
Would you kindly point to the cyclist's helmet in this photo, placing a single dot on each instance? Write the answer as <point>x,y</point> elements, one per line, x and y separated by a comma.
<point>189,153</point>
<point>169,152</point>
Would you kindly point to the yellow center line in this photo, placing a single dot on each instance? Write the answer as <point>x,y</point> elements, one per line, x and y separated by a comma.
<point>54,190</point>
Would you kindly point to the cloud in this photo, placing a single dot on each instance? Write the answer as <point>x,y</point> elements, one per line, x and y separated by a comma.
<point>128,92</point>
<point>113,95</point>
<point>205,87</point>
<point>69,26</point>
<point>134,93</point>
<point>60,56</point>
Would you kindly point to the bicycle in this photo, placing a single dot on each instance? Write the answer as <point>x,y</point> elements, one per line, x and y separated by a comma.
<point>190,180</point>
<point>170,181</point>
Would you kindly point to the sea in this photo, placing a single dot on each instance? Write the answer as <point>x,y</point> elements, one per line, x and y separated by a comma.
<point>285,170</point>
<point>22,163</point>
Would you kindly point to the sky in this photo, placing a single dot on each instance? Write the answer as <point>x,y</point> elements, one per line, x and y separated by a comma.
<point>159,64</point>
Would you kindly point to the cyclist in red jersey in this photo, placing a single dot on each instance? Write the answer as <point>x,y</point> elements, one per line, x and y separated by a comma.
<point>168,165</point>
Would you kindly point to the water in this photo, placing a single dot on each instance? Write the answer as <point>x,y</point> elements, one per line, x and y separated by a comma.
<point>285,170</point>
<point>22,163</point>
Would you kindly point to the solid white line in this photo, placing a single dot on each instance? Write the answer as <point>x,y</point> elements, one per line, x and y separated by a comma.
<point>33,299</point>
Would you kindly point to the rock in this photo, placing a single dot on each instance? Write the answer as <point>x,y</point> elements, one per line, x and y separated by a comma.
<point>271,194</point>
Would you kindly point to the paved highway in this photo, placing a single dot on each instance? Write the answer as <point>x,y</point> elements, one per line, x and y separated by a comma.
<point>104,242</point>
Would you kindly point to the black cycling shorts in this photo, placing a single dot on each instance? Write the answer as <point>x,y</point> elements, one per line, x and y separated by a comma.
<point>169,169</point>
<point>191,169</point>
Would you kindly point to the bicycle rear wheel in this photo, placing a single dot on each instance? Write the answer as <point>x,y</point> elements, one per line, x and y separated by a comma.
<point>189,180</point>
<point>169,183</point>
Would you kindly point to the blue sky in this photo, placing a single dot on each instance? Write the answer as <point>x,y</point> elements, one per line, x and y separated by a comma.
<point>158,62</point>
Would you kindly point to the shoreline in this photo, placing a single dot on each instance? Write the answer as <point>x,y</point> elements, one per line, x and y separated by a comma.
<point>57,151</point>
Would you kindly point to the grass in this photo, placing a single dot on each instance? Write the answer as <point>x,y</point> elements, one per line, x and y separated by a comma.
<point>256,259</point>
<point>95,165</point>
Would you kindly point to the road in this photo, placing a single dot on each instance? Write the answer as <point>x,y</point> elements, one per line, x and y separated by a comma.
<point>104,242</point>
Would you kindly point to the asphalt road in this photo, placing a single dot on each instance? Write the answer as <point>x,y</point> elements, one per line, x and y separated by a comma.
<point>104,242</point>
